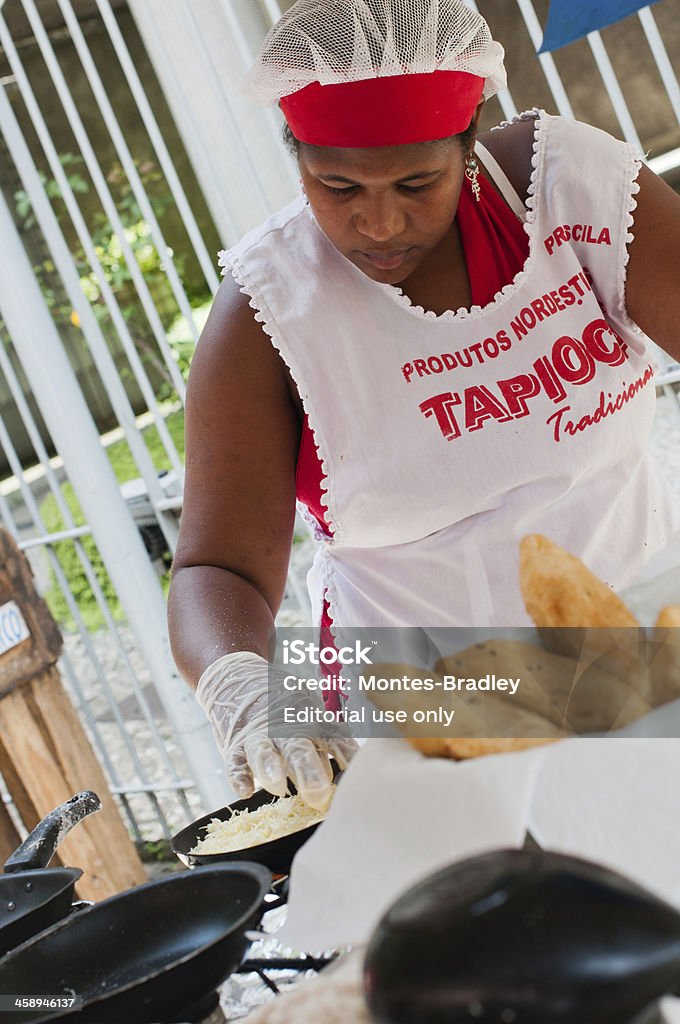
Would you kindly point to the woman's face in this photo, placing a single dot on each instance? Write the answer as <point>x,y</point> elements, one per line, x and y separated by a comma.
<point>388,210</point>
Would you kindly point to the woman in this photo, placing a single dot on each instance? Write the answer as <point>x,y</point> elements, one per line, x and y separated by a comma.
<point>439,347</point>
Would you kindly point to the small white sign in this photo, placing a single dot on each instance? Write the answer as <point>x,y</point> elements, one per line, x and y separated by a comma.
<point>13,628</point>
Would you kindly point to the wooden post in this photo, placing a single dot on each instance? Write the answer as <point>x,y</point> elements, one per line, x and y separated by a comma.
<point>9,837</point>
<point>45,756</point>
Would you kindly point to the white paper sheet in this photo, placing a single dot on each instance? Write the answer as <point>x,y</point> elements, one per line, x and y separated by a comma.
<point>396,817</point>
<point>614,801</point>
<point>670,1011</point>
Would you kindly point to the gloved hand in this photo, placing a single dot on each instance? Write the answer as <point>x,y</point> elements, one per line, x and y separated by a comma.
<point>240,693</point>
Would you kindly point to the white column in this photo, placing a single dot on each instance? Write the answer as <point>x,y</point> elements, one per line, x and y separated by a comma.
<point>235,147</point>
<point>63,408</point>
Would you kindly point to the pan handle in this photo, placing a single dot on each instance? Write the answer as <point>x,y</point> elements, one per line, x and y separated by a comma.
<point>38,848</point>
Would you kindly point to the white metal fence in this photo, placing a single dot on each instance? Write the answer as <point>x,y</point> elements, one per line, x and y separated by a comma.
<point>127,158</point>
<point>150,734</point>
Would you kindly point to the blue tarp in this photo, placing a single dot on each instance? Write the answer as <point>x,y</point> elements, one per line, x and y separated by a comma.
<point>569,20</point>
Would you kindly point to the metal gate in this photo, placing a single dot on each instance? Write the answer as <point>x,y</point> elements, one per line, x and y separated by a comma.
<point>90,298</point>
<point>127,159</point>
<point>108,242</point>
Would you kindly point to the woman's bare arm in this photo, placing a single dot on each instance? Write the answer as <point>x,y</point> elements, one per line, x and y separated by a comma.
<point>513,148</point>
<point>653,277</point>
<point>242,439</point>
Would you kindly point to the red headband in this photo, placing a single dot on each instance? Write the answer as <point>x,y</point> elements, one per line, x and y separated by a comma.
<point>390,111</point>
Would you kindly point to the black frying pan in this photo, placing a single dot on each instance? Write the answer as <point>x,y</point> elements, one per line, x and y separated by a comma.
<point>32,897</point>
<point>533,937</point>
<point>151,954</point>
<point>276,855</point>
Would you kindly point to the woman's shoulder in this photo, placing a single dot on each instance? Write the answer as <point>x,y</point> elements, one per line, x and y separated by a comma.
<point>235,348</point>
<point>513,147</point>
<point>576,149</point>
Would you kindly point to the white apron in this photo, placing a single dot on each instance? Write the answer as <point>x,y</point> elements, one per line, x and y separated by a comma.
<point>445,439</point>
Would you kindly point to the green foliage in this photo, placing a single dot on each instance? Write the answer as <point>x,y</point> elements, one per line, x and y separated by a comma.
<point>76,181</point>
<point>125,469</point>
<point>115,268</point>
<point>120,456</point>
<point>158,851</point>
<point>180,338</point>
<point>73,569</point>
<point>109,246</point>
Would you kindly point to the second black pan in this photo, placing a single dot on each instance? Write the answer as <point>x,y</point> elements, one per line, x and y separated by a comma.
<point>276,855</point>
<point>32,897</point>
<point>148,955</point>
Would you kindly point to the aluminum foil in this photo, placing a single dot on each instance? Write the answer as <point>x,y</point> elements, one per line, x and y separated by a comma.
<point>241,994</point>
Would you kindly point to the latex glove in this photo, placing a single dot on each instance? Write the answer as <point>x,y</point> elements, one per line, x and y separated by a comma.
<point>235,694</point>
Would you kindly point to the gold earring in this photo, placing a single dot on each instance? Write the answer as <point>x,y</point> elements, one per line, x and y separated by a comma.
<point>472,174</point>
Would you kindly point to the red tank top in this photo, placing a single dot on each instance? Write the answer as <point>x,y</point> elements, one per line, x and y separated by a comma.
<point>496,248</point>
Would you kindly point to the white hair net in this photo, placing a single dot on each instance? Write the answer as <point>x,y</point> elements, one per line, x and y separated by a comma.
<point>339,41</point>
